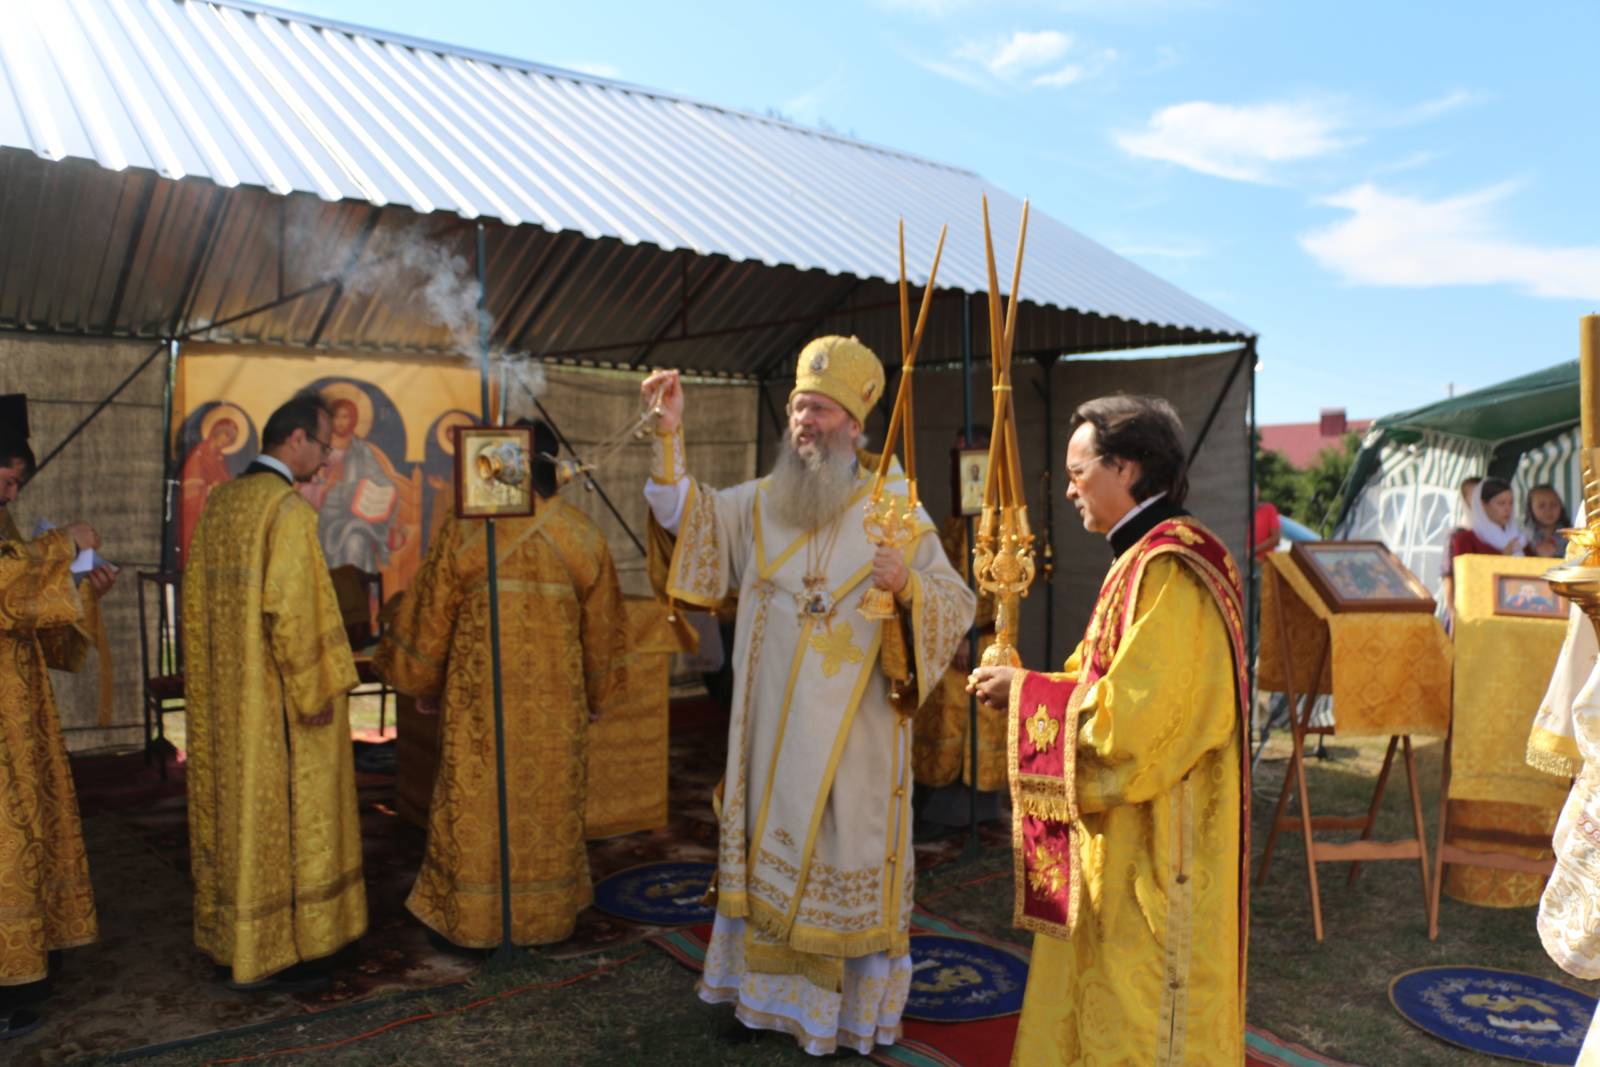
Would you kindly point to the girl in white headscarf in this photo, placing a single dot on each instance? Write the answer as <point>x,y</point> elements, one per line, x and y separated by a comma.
<point>1491,533</point>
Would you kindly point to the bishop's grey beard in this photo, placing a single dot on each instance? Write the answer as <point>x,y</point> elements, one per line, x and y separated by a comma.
<point>810,485</point>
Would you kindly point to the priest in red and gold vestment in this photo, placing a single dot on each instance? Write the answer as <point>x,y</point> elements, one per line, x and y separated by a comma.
<point>1129,775</point>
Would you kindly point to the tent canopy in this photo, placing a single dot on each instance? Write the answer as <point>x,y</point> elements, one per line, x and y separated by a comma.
<point>1544,400</point>
<point>1522,410</point>
<point>171,166</point>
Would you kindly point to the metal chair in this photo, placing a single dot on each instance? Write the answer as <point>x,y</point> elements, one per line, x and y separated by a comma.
<point>162,667</point>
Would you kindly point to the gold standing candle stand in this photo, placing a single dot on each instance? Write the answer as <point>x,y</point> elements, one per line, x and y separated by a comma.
<point>1002,552</point>
<point>1579,580</point>
<point>891,520</point>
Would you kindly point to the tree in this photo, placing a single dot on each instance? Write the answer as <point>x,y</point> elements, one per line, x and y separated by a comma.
<point>1322,485</point>
<point>1277,480</point>
<point>1311,496</point>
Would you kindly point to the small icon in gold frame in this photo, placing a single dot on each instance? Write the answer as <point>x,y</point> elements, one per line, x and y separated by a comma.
<point>493,472</point>
<point>973,474</point>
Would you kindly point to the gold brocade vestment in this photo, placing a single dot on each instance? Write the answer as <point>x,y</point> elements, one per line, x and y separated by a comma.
<point>274,835</point>
<point>46,900</point>
<point>1151,974</point>
<point>815,805</point>
<point>562,636</point>
<point>942,739</point>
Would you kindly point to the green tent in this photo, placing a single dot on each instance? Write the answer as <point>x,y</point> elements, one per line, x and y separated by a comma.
<point>1402,488</point>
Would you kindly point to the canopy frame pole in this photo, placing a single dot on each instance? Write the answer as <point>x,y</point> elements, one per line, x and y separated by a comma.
<point>104,403</point>
<point>973,847</point>
<point>1047,568</point>
<point>589,480</point>
<point>1216,405</point>
<point>505,954</point>
<point>1251,592</point>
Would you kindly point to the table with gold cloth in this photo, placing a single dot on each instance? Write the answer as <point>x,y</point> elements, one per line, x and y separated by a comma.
<point>627,772</point>
<point>1502,666</point>
<point>1389,676</point>
<point>1389,671</point>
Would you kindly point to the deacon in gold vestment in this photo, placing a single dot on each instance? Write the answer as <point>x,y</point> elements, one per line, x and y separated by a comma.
<point>562,631</point>
<point>274,837</point>
<point>814,874</point>
<point>46,900</point>
<point>1140,953</point>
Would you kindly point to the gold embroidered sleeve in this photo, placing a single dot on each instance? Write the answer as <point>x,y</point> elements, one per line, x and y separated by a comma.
<point>715,537</point>
<point>1552,740</point>
<point>666,457</point>
<point>941,611</point>
<point>36,588</point>
<point>412,653</point>
<point>1167,699</point>
<point>301,612</point>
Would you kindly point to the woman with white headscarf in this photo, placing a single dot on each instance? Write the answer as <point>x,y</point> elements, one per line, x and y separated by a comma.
<point>1491,532</point>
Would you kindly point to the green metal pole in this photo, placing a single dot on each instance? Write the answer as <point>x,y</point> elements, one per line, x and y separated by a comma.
<point>506,953</point>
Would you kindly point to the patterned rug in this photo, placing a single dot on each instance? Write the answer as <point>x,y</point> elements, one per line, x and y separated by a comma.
<point>1497,1013</point>
<point>977,1041</point>
<point>658,894</point>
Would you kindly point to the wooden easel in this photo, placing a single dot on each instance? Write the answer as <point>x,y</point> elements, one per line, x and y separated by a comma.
<point>1295,777</point>
<point>1453,853</point>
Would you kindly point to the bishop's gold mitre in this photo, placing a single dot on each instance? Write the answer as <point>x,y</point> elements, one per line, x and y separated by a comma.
<point>842,369</point>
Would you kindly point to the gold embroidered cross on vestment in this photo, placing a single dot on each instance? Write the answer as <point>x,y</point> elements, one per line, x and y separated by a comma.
<point>836,644</point>
<point>1042,729</point>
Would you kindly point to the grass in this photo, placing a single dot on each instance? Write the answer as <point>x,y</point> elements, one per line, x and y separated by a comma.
<point>641,1009</point>
<point>1333,996</point>
<point>364,720</point>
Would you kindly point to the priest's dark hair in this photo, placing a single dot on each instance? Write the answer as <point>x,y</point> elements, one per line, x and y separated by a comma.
<point>544,444</point>
<point>1146,430</point>
<point>14,448</point>
<point>299,412</point>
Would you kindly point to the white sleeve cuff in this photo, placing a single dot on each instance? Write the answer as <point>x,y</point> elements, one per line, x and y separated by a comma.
<point>666,502</point>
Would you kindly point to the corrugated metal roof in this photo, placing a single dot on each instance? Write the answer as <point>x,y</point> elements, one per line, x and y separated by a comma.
<point>254,98</point>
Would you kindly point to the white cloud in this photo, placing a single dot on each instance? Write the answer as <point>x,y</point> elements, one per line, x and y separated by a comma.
<point>1024,59</point>
<point>1395,240</point>
<point>1025,50</point>
<point>1243,142</point>
<point>1432,109</point>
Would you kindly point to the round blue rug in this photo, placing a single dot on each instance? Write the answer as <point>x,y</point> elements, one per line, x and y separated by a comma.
<point>1498,1013</point>
<point>658,894</point>
<point>954,980</point>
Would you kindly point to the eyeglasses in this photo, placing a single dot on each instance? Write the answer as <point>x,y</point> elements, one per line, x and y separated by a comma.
<point>1078,474</point>
<point>327,449</point>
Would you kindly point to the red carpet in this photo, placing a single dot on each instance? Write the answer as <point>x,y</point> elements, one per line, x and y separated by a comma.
<point>986,1043</point>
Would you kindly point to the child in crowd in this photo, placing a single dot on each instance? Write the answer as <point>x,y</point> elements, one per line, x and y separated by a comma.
<point>1544,517</point>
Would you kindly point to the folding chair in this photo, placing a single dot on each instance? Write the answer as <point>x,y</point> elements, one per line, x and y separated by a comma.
<point>162,665</point>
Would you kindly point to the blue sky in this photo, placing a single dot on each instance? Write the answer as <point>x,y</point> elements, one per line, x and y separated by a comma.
<point>1397,196</point>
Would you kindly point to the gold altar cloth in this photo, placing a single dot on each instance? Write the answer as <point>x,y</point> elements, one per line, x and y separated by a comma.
<point>1389,672</point>
<point>1503,664</point>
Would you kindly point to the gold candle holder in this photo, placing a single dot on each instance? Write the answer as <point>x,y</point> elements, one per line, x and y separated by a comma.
<point>1579,579</point>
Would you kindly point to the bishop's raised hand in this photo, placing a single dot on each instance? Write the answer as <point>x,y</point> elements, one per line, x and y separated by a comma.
<point>663,390</point>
